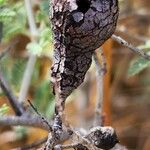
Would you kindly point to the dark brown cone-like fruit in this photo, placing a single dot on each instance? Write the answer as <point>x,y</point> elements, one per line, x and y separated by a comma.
<point>79,27</point>
<point>103,137</point>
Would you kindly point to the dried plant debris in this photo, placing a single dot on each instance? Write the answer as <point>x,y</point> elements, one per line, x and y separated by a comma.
<point>79,28</point>
<point>103,137</point>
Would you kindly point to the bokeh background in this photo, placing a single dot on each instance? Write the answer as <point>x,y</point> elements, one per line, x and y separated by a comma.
<point>126,84</point>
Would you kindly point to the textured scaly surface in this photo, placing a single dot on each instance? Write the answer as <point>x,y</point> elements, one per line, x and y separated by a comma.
<point>79,28</point>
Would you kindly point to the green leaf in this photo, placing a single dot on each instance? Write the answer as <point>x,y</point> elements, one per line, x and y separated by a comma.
<point>34,48</point>
<point>14,24</point>
<point>137,66</point>
<point>4,109</point>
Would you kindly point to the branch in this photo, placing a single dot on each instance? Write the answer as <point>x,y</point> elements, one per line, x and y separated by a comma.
<point>57,136</point>
<point>32,59</point>
<point>100,71</point>
<point>30,16</point>
<point>17,107</point>
<point>24,120</point>
<point>33,121</point>
<point>27,78</point>
<point>130,46</point>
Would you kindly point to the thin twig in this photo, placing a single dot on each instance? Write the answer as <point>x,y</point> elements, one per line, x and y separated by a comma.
<point>54,137</point>
<point>31,19</point>
<point>32,121</point>
<point>17,107</point>
<point>100,71</point>
<point>130,46</point>
<point>41,116</point>
<point>27,78</point>
<point>32,58</point>
<point>33,145</point>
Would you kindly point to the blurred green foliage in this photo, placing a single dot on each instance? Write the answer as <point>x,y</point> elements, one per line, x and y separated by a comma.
<point>139,64</point>
<point>13,17</point>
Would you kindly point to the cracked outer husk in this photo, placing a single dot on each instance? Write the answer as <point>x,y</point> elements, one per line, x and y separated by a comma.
<point>79,28</point>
